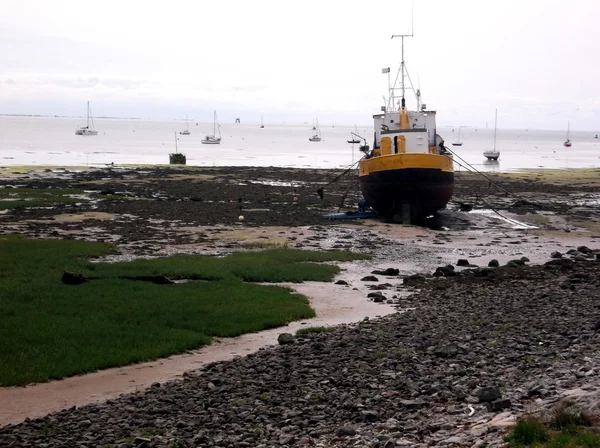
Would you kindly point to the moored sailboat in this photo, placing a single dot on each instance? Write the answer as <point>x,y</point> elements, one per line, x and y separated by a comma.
<point>317,136</point>
<point>87,129</point>
<point>493,154</point>
<point>568,143</point>
<point>408,174</point>
<point>213,139</point>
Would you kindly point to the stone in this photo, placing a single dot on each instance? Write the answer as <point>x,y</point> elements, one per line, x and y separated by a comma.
<point>369,416</point>
<point>555,254</point>
<point>525,259</point>
<point>341,282</point>
<point>345,431</point>
<point>584,249</point>
<point>493,263</point>
<point>445,271</point>
<point>489,394</point>
<point>498,405</point>
<point>412,404</point>
<point>370,278</point>
<point>413,280</point>
<point>285,339</point>
<point>446,351</point>
<point>84,423</point>
<point>389,272</point>
<point>462,262</point>
<point>71,278</point>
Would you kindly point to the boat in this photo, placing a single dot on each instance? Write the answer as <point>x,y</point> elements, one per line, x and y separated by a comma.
<point>458,142</point>
<point>87,129</point>
<point>409,173</point>
<point>596,136</point>
<point>262,126</point>
<point>187,127</point>
<point>567,142</point>
<point>177,158</point>
<point>353,138</point>
<point>317,136</point>
<point>213,139</point>
<point>493,154</point>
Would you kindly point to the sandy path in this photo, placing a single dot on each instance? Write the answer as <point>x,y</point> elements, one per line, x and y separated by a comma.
<point>37,400</point>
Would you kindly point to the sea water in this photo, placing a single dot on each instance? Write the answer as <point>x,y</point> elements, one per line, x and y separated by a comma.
<point>52,141</point>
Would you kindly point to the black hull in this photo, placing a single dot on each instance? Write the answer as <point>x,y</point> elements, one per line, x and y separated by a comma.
<point>426,190</point>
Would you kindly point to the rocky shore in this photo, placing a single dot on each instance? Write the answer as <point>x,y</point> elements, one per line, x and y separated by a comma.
<point>465,353</point>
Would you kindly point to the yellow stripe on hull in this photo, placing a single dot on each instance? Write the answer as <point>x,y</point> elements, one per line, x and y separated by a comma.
<point>406,160</point>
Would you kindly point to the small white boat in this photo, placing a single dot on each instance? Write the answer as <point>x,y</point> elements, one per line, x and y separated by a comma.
<point>353,139</point>
<point>568,143</point>
<point>458,142</point>
<point>87,130</point>
<point>493,154</point>
<point>317,136</point>
<point>213,139</point>
<point>187,127</point>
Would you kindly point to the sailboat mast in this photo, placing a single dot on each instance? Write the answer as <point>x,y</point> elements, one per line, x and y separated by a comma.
<point>495,126</point>
<point>88,115</point>
<point>215,123</point>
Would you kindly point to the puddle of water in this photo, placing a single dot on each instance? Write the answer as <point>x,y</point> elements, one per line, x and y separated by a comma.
<point>514,224</point>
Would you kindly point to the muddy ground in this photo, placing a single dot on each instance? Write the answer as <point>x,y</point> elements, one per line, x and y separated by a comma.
<point>145,208</point>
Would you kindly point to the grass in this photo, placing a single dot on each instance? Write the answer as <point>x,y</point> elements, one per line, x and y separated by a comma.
<point>566,427</point>
<point>50,330</point>
<point>11,198</point>
<point>313,330</point>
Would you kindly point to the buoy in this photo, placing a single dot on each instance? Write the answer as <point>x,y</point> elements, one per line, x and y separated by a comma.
<point>240,218</point>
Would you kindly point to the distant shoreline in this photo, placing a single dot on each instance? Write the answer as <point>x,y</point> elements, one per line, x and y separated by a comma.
<point>66,116</point>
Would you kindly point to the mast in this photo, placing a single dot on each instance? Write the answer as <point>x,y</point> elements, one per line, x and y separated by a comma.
<point>175,132</point>
<point>404,124</point>
<point>88,115</point>
<point>215,123</point>
<point>495,126</point>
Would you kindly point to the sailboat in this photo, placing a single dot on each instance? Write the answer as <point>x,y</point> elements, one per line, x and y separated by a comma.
<point>317,136</point>
<point>176,158</point>
<point>262,126</point>
<point>493,154</point>
<point>568,142</point>
<point>458,142</point>
<point>187,127</point>
<point>353,139</point>
<point>87,130</point>
<point>213,139</point>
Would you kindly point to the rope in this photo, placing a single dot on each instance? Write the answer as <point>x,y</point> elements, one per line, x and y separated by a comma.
<point>473,170</point>
<point>320,191</point>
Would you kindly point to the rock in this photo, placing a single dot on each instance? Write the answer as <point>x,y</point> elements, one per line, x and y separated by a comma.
<point>584,249</point>
<point>446,351</point>
<point>345,431</point>
<point>493,263</point>
<point>555,254</point>
<point>84,423</point>
<point>370,278</point>
<point>462,262</point>
<point>106,191</point>
<point>445,271</point>
<point>286,439</point>
<point>413,280</point>
<point>71,278</point>
<point>142,441</point>
<point>597,325</point>
<point>388,272</point>
<point>341,282</point>
<point>580,258</point>
<point>489,394</point>
<point>525,259</point>
<point>412,404</point>
<point>454,440</point>
<point>285,339</point>
<point>369,416</point>
<point>498,405</point>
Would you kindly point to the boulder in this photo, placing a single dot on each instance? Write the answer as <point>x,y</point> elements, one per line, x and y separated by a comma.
<point>498,405</point>
<point>462,262</point>
<point>489,394</point>
<point>494,263</point>
<point>556,254</point>
<point>285,339</point>
<point>369,278</point>
<point>388,272</point>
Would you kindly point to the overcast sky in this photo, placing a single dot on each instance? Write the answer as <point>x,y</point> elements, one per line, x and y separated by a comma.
<point>536,61</point>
